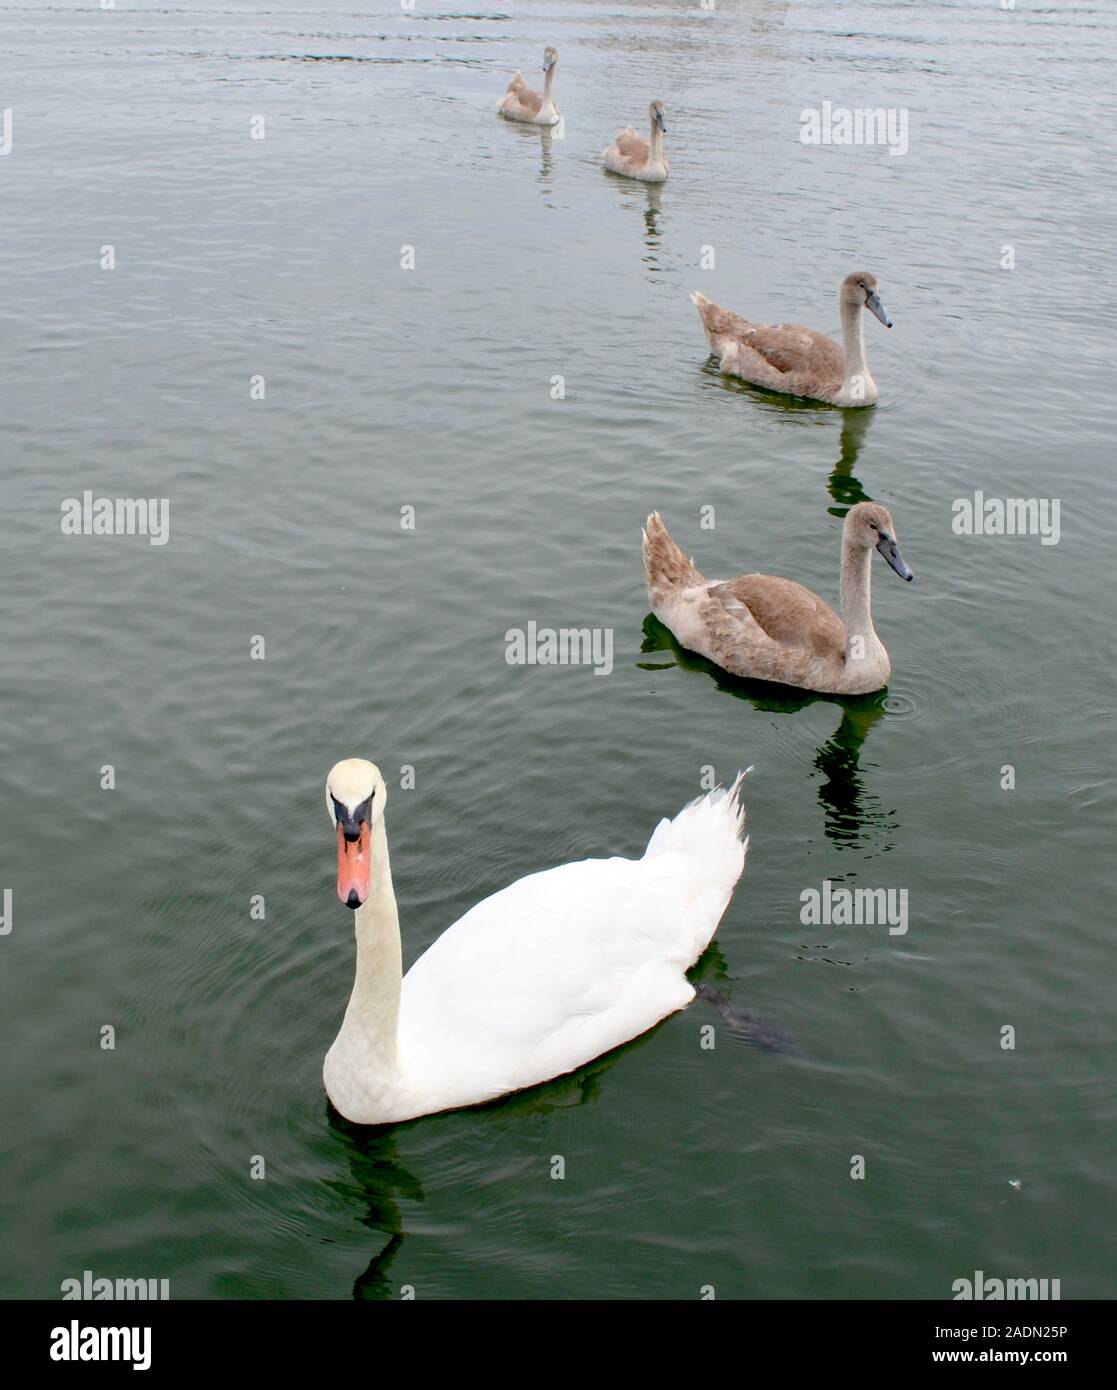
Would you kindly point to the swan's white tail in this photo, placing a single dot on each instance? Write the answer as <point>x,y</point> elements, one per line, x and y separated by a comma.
<point>709,833</point>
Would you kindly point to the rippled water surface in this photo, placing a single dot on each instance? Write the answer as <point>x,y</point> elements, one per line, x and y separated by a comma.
<point>432,388</point>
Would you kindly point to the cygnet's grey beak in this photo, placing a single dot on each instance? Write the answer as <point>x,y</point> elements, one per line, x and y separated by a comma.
<point>872,301</point>
<point>891,552</point>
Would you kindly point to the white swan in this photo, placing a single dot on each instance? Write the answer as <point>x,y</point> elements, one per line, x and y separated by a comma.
<point>521,103</point>
<point>533,982</point>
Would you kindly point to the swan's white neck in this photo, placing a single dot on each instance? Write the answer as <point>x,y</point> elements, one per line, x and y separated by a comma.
<point>858,386</point>
<point>363,1055</point>
<point>863,647</point>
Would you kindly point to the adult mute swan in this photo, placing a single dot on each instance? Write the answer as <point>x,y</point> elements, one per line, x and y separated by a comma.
<point>520,103</point>
<point>773,629</point>
<point>534,981</point>
<point>795,360</point>
<point>640,159</point>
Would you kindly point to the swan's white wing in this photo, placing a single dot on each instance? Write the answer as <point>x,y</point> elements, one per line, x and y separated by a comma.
<point>564,965</point>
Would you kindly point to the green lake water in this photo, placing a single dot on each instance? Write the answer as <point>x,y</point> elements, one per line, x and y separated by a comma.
<point>280,258</point>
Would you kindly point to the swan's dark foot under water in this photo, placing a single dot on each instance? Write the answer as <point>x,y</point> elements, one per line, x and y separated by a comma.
<point>746,1026</point>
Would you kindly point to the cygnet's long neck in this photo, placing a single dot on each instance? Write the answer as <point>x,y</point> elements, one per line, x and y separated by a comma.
<point>370,1030</point>
<point>853,345</point>
<point>655,151</point>
<point>548,105</point>
<point>857,568</point>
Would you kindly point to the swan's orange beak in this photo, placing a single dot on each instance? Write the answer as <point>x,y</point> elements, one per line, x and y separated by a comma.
<point>354,861</point>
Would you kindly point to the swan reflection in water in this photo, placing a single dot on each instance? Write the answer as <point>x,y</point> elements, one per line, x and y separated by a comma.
<point>646,200</point>
<point>379,1184</point>
<point>853,817</point>
<point>845,489</point>
<point>543,138</point>
<point>653,207</point>
<point>546,156</point>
